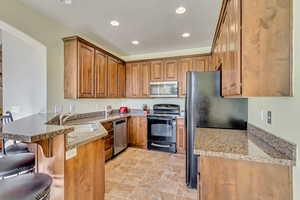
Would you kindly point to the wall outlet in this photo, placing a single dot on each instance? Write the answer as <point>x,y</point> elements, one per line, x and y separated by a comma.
<point>262,115</point>
<point>269,119</point>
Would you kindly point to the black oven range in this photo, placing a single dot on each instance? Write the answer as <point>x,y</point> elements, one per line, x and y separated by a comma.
<point>162,127</point>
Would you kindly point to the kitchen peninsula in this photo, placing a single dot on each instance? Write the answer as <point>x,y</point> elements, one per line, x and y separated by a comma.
<point>72,154</point>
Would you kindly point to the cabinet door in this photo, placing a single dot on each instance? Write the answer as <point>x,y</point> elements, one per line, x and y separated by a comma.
<point>184,65</point>
<point>100,74</point>
<point>137,129</point>
<point>128,79</point>
<point>121,80</point>
<point>86,71</point>
<point>200,64</point>
<point>112,76</point>
<point>135,80</point>
<point>157,71</point>
<point>231,66</point>
<point>142,132</point>
<point>170,72</point>
<point>181,136</point>
<point>145,78</point>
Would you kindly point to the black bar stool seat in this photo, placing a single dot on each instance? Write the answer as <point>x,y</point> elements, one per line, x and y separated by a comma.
<point>15,164</point>
<point>16,148</point>
<point>26,187</point>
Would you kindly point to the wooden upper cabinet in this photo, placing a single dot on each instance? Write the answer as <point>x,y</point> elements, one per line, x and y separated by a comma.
<point>128,79</point>
<point>145,78</point>
<point>91,72</point>
<point>255,50</point>
<point>267,52</point>
<point>157,71</point>
<point>121,80</point>
<point>170,72</point>
<point>135,80</point>
<point>100,74</point>
<point>86,71</point>
<point>184,66</point>
<point>200,64</point>
<point>112,76</point>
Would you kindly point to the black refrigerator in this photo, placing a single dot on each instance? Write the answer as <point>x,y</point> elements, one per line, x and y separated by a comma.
<point>206,108</point>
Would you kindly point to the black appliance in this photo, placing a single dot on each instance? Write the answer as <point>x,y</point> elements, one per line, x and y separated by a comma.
<point>162,127</point>
<point>206,108</point>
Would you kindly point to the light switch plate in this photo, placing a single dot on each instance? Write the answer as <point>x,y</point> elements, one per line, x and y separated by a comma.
<point>269,119</point>
<point>71,153</point>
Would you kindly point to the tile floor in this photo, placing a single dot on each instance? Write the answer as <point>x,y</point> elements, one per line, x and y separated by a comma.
<point>138,174</point>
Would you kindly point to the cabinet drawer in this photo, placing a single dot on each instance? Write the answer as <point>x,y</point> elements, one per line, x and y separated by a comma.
<point>108,126</point>
<point>109,141</point>
<point>108,154</point>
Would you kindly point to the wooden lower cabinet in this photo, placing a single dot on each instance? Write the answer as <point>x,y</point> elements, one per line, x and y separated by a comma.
<point>84,173</point>
<point>109,140</point>
<point>227,179</point>
<point>137,129</point>
<point>180,136</point>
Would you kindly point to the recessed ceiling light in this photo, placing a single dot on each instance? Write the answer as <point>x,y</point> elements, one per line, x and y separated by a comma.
<point>68,2</point>
<point>114,23</point>
<point>180,10</point>
<point>135,42</point>
<point>185,35</point>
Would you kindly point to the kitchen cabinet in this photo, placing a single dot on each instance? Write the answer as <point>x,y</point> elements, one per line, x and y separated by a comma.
<point>112,76</point>
<point>180,137</point>
<point>239,179</point>
<point>86,71</point>
<point>137,129</point>
<point>145,78</point>
<point>254,63</point>
<point>137,79</point>
<point>157,71</point>
<point>200,64</point>
<point>121,80</point>
<point>133,80</point>
<point>100,74</point>
<point>170,72</point>
<point>91,72</point>
<point>184,66</point>
<point>108,140</point>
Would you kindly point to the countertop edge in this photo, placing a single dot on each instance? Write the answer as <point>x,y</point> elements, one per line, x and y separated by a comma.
<point>243,157</point>
<point>86,141</point>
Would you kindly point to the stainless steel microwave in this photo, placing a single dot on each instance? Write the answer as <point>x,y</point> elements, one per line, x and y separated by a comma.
<point>164,89</point>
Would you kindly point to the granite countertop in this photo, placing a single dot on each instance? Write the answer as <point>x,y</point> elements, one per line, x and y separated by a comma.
<point>81,130</point>
<point>236,144</point>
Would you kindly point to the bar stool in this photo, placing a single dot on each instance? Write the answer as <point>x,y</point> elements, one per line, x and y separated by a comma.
<point>15,148</point>
<point>16,164</point>
<point>26,187</point>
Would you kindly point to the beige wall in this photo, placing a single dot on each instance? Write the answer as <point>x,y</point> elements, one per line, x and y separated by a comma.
<point>285,111</point>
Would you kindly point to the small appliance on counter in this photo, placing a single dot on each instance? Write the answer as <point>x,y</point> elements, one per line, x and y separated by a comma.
<point>123,110</point>
<point>162,127</point>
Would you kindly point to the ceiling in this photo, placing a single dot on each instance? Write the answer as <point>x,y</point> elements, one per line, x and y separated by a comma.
<point>154,23</point>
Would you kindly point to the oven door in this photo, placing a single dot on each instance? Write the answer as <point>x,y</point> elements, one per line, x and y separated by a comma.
<point>161,129</point>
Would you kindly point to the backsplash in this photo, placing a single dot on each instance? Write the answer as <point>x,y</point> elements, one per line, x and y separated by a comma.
<point>138,103</point>
<point>94,105</point>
